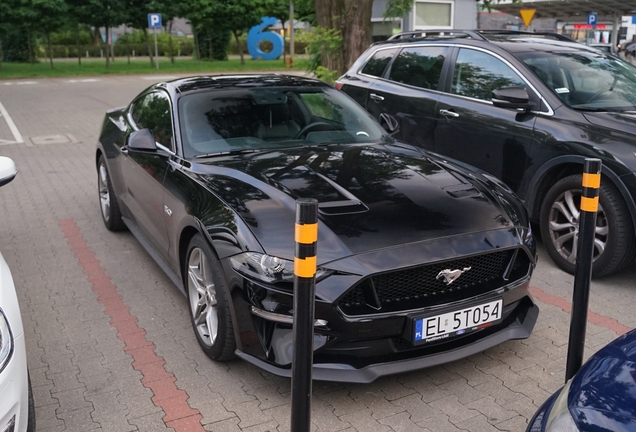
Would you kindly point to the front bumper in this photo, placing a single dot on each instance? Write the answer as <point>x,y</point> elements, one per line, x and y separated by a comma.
<point>343,372</point>
<point>14,390</point>
<point>361,348</point>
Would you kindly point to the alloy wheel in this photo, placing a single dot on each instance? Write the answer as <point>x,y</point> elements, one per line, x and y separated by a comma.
<point>104,195</point>
<point>564,222</point>
<point>202,295</point>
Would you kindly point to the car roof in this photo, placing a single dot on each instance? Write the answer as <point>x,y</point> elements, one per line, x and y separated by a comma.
<point>198,83</point>
<point>509,40</point>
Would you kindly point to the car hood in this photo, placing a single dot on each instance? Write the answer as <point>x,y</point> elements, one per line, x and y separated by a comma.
<point>370,197</point>
<point>603,392</point>
<point>620,121</point>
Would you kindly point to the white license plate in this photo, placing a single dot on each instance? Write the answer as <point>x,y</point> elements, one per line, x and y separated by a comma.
<point>455,323</point>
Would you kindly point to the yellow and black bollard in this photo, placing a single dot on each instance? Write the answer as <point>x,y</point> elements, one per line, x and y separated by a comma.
<point>306,236</point>
<point>583,270</point>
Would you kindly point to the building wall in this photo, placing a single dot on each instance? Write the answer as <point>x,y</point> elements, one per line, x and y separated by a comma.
<point>501,21</point>
<point>465,14</point>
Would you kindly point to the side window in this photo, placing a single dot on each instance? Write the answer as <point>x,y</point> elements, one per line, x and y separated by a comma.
<point>477,74</point>
<point>153,112</point>
<point>419,66</point>
<point>378,62</point>
<point>135,111</point>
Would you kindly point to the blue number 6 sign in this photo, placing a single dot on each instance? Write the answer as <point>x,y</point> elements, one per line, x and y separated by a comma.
<point>256,35</point>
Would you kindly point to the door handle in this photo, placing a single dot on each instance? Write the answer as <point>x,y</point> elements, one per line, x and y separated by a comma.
<point>376,97</point>
<point>447,113</point>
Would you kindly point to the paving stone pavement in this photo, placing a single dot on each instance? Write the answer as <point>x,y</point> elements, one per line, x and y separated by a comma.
<point>84,378</point>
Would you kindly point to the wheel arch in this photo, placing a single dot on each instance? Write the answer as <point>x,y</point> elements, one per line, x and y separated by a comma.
<point>187,233</point>
<point>562,167</point>
<point>184,240</point>
<point>98,154</point>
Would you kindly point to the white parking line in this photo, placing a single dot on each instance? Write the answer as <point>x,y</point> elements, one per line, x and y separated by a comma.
<point>14,130</point>
<point>19,83</point>
<point>159,77</point>
<point>82,80</point>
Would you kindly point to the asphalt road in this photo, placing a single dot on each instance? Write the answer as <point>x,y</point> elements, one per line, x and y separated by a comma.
<point>110,346</point>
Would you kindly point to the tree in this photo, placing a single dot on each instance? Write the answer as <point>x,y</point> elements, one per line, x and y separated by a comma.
<point>108,14</point>
<point>17,19</point>
<point>48,16</point>
<point>278,9</point>
<point>200,14</point>
<point>238,16</point>
<point>137,17</point>
<point>169,9</point>
<point>351,19</point>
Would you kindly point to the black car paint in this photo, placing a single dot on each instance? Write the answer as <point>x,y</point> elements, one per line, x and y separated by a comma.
<point>543,149</point>
<point>246,203</point>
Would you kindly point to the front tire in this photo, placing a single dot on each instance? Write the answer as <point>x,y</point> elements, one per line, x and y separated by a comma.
<point>614,235</point>
<point>108,204</point>
<point>208,301</point>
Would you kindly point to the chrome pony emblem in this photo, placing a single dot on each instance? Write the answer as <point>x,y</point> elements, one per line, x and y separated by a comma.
<point>451,275</point>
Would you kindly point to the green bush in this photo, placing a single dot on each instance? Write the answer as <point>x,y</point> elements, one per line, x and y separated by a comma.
<point>69,37</point>
<point>15,46</point>
<point>179,45</point>
<point>213,43</point>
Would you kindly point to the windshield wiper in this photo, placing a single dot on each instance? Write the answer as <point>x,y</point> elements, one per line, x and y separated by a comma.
<point>592,109</point>
<point>227,153</point>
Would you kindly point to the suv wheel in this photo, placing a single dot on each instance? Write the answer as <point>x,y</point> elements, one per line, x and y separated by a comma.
<point>614,236</point>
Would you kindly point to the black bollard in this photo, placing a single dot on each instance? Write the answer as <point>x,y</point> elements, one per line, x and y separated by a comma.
<point>306,236</point>
<point>583,271</point>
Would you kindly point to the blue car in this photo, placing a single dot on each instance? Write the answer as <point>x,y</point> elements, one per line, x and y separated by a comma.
<point>601,397</point>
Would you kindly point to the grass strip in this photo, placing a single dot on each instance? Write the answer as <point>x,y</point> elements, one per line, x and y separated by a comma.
<point>68,67</point>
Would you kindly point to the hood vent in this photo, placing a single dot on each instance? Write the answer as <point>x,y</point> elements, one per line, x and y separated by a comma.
<point>462,191</point>
<point>342,207</point>
<point>347,206</point>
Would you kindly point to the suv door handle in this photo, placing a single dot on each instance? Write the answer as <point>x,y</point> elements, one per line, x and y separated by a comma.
<point>376,97</point>
<point>447,113</point>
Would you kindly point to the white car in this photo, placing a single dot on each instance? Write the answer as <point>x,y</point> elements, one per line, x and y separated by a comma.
<point>17,412</point>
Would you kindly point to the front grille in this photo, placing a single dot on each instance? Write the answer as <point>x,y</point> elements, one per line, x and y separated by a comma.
<point>420,286</point>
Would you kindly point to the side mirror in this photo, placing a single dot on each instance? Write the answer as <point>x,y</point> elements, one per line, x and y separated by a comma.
<point>7,170</point>
<point>389,123</point>
<point>514,97</point>
<point>142,139</point>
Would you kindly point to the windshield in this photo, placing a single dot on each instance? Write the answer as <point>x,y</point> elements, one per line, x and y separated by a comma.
<point>222,121</point>
<point>586,80</point>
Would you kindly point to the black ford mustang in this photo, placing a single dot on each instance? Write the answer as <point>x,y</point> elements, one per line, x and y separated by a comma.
<point>421,260</point>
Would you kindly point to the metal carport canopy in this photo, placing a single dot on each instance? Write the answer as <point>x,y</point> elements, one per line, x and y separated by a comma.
<point>568,8</point>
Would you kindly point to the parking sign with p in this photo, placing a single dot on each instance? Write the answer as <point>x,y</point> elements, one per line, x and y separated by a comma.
<point>154,20</point>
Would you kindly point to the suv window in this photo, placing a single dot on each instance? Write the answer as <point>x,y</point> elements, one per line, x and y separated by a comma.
<point>419,66</point>
<point>586,80</point>
<point>477,74</point>
<point>378,63</point>
<point>153,112</point>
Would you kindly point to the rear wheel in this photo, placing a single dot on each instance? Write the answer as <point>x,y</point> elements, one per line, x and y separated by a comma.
<point>613,237</point>
<point>107,200</point>
<point>208,301</point>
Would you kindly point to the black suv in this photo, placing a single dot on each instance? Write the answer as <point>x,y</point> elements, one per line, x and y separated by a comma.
<point>527,108</point>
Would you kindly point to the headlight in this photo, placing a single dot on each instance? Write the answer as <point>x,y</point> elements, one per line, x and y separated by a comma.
<point>266,268</point>
<point>560,419</point>
<point>6,341</point>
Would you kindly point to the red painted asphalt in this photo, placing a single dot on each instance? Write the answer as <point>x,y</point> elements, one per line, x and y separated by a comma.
<point>178,414</point>
<point>592,317</point>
